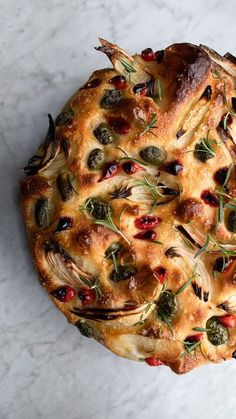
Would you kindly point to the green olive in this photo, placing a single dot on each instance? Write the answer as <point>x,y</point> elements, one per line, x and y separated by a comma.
<point>113,249</point>
<point>122,273</point>
<point>203,150</point>
<point>41,212</point>
<point>104,134</point>
<point>64,186</point>
<point>167,304</point>
<point>64,117</point>
<point>153,155</point>
<point>231,221</point>
<point>97,207</point>
<point>96,159</point>
<point>217,334</point>
<point>84,329</point>
<point>111,98</point>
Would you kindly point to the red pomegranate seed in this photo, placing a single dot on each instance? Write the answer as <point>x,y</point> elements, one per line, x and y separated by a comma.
<point>146,222</point>
<point>159,55</point>
<point>130,167</point>
<point>141,88</point>
<point>86,296</point>
<point>154,362</point>
<point>148,54</point>
<point>119,124</point>
<point>220,175</point>
<point>228,320</point>
<point>173,167</point>
<point>109,170</point>
<point>160,274</point>
<point>194,338</point>
<point>210,198</point>
<point>92,83</point>
<point>149,235</point>
<point>64,293</point>
<point>223,265</point>
<point>119,82</point>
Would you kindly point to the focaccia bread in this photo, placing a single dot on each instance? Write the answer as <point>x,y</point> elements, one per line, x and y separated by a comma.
<point>130,206</point>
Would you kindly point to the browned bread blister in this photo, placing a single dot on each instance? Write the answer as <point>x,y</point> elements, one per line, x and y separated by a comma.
<point>130,206</point>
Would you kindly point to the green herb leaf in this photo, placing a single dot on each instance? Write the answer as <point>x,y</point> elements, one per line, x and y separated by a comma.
<point>109,223</point>
<point>200,329</point>
<point>128,67</point>
<point>190,349</point>
<point>159,89</point>
<point>148,126</point>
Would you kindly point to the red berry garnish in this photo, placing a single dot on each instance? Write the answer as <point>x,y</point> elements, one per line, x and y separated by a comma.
<point>119,124</point>
<point>220,175</point>
<point>210,198</point>
<point>154,362</point>
<point>160,274</point>
<point>64,293</point>
<point>159,55</point>
<point>149,235</point>
<point>130,167</point>
<point>86,296</point>
<point>92,83</point>
<point>119,82</point>
<point>228,320</point>
<point>109,170</point>
<point>148,54</point>
<point>146,222</point>
<point>194,338</point>
<point>173,167</point>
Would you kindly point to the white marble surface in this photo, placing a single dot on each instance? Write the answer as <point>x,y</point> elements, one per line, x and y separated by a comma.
<point>47,370</point>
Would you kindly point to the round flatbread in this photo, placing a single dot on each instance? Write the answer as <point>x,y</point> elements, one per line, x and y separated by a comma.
<point>130,206</point>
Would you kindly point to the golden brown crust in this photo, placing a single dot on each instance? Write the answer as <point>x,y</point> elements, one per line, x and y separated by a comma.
<point>138,253</point>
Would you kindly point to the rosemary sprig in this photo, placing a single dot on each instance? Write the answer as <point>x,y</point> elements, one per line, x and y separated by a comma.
<point>149,126</point>
<point>129,157</point>
<point>109,223</point>
<point>142,320</point>
<point>230,110</point>
<point>190,348</point>
<point>159,89</point>
<point>216,247</point>
<point>128,67</point>
<point>200,329</point>
<point>154,188</point>
<point>186,284</point>
<point>221,193</point>
<point>95,285</point>
<point>167,321</point>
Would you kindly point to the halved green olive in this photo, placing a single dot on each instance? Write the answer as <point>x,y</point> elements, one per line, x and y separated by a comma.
<point>153,155</point>
<point>203,150</point>
<point>96,159</point>
<point>41,212</point>
<point>104,134</point>
<point>64,186</point>
<point>111,98</point>
<point>231,221</point>
<point>97,207</point>
<point>167,304</point>
<point>84,329</point>
<point>113,249</point>
<point>217,334</point>
<point>123,273</point>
